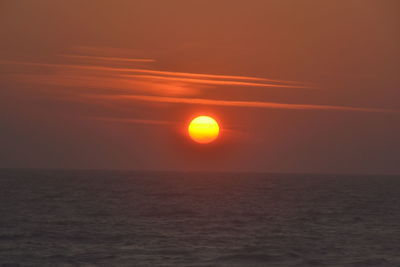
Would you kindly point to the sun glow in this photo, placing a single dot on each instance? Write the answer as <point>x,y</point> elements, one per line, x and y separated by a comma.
<point>203,129</point>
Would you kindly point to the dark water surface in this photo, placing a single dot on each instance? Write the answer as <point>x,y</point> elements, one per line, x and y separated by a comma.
<point>91,218</point>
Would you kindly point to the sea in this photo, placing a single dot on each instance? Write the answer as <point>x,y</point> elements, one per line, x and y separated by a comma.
<point>133,218</point>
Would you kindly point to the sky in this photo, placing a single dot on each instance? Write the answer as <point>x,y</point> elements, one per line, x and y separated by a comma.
<point>297,86</point>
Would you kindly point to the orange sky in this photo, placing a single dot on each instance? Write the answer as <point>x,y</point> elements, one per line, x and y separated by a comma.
<point>298,86</point>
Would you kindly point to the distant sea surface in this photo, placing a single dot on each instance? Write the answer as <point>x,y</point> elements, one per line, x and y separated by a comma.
<point>117,218</point>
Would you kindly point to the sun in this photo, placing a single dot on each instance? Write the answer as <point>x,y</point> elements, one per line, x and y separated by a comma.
<point>203,129</point>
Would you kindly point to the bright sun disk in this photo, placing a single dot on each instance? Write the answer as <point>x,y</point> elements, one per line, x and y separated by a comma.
<point>203,129</point>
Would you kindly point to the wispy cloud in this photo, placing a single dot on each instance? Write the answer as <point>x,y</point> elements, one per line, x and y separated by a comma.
<point>79,82</point>
<point>182,76</point>
<point>163,86</point>
<point>210,82</point>
<point>84,76</point>
<point>245,104</point>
